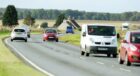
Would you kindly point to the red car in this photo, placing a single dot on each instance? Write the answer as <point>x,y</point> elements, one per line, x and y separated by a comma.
<point>129,51</point>
<point>50,34</point>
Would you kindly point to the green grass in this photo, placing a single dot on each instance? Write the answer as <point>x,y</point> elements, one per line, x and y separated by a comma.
<point>72,39</point>
<point>10,65</point>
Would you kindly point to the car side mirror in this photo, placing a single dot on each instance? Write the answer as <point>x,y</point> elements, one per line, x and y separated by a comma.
<point>84,34</point>
<point>124,41</point>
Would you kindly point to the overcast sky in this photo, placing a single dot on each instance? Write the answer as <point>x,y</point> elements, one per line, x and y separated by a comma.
<point>113,6</point>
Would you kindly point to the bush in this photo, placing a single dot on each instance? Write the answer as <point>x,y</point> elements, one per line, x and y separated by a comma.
<point>44,25</point>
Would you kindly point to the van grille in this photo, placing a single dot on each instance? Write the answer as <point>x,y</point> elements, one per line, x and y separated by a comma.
<point>107,43</point>
<point>98,43</point>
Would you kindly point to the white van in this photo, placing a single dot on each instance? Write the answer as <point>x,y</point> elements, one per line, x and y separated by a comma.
<point>125,26</point>
<point>98,39</point>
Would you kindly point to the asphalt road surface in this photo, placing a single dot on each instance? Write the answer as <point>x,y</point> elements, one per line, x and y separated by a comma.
<point>61,59</point>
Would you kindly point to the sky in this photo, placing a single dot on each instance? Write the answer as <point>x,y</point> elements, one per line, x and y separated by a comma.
<point>111,6</point>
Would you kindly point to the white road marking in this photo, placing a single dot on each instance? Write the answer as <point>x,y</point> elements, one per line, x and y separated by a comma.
<point>101,63</point>
<point>30,62</point>
<point>125,69</point>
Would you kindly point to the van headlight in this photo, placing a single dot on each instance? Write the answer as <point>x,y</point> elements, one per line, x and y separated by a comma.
<point>113,41</point>
<point>133,48</point>
<point>91,40</point>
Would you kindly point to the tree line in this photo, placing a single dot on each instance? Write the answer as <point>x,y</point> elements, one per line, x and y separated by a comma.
<point>79,15</point>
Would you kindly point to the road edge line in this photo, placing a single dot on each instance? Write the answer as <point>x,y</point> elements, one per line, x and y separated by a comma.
<point>26,59</point>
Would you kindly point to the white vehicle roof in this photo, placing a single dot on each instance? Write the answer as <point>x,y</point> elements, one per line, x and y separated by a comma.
<point>125,24</point>
<point>97,25</point>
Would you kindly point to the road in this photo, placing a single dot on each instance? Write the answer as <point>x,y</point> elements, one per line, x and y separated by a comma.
<point>61,59</point>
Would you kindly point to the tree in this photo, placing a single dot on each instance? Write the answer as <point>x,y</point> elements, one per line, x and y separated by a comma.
<point>29,20</point>
<point>10,16</point>
<point>44,25</point>
<point>59,20</point>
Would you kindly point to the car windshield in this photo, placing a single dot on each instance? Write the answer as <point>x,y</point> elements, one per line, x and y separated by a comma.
<point>50,31</point>
<point>135,38</point>
<point>19,30</point>
<point>102,30</point>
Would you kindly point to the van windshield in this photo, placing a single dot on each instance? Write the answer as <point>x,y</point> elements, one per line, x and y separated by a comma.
<point>101,30</point>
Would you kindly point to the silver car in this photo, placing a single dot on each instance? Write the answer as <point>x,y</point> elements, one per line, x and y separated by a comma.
<point>19,34</point>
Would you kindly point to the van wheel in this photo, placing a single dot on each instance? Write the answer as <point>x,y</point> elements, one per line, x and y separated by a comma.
<point>82,52</point>
<point>87,54</point>
<point>108,55</point>
<point>114,55</point>
<point>127,62</point>
<point>25,40</point>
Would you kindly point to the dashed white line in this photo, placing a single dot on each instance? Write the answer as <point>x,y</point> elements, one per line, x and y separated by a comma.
<point>125,70</point>
<point>101,63</point>
<point>30,62</point>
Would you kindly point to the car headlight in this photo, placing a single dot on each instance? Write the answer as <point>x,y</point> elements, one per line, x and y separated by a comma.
<point>45,35</point>
<point>133,48</point>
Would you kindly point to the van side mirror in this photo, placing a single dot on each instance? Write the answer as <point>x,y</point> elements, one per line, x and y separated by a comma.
<point>124,41</point>
<point>84,34</point>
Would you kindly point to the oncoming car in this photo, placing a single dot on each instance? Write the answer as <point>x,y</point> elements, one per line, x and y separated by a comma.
<point>50,34</point>
<point>19,34</point>
<point>129,51</point>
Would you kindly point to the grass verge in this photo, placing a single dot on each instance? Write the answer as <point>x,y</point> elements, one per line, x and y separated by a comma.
<point>10,65</point>
<point>71,38</point>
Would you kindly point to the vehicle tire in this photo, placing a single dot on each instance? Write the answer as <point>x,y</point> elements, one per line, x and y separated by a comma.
<point>25,40</point>
<point>82,53</point>
<point>114,55</point>
<point>108,55</point>
<point>87,54</point>
<point>120,60</point>
<point>56,40</point>
<point>127,62</point>
<point>11,40</point>
<point>44,40</point>
<point>29,36</point>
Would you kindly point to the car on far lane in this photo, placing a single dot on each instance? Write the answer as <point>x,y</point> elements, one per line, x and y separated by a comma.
<point>19,34</point>
<point>129,51</point>
<point>50,34</point>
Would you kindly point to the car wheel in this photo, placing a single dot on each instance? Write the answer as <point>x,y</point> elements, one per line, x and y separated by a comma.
<point>82,53</point>
<point>120,60</point>
<point>12,40</point>
<point>108,55</point>
<point>114,55</point>
<point>44,40</point>
<point>127,62</point>
<point>29,36</point>
<point>57,40</point>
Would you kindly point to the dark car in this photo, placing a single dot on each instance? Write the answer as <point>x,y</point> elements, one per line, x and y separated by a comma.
<point>69,29</point>
<point>50,34</point>
<point>129,51</point>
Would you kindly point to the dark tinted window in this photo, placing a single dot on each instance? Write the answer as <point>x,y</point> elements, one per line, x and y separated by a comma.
<point>50,31</point>
<point>135,38</point>
<point>19,30</point>
<point>102,30</point>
